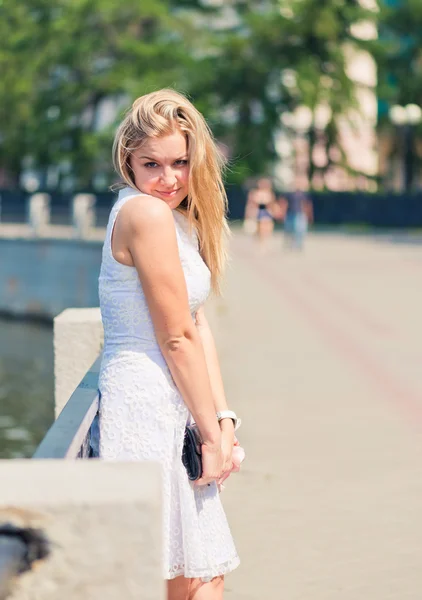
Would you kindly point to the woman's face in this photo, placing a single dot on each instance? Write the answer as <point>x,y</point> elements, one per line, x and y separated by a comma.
<point>161,168</point>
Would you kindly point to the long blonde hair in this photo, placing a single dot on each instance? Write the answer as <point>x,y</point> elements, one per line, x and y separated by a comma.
<point>158,114</point>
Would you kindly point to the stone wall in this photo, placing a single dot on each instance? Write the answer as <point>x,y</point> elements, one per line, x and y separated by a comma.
<point>42,277</point>
<point>103,524</point>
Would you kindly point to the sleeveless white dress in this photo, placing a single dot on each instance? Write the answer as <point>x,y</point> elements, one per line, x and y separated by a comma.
<point>143,415</point>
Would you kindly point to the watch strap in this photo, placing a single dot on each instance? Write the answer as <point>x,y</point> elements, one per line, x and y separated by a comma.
<point>229,414</point>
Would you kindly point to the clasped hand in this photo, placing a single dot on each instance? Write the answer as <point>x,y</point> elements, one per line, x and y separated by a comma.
<point>217,459</point>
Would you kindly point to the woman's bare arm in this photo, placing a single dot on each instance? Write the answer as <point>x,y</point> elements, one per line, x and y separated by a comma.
<point>212,361</point>
<point>147,225</point>
<point>213,366</point>
<point>217,387</point>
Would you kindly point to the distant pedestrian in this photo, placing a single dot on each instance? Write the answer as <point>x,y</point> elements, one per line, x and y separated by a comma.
<point>298,215</point>
<point>261,205</point>
<point>250,223</point>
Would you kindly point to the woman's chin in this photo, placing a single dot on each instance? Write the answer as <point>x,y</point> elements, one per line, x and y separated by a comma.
<point>175,205</point>
<point>173,202</point>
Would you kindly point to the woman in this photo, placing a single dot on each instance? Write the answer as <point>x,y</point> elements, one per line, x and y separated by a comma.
<point>164,249</point>
<point>262,201</point>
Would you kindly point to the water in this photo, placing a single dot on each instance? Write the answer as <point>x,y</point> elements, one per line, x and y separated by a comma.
<point>26,386</point>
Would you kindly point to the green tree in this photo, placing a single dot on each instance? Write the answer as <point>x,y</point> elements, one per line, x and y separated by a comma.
<point>61,61</point>
<point>20,43</point>
<point>399,59</point>
<point>399,53</point>
<point>272,57</point>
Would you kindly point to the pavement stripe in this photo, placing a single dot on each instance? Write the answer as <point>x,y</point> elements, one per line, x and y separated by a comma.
<point>383,380</point>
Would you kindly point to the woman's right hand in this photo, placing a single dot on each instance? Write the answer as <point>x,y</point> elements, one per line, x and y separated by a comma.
<point>212,463</point>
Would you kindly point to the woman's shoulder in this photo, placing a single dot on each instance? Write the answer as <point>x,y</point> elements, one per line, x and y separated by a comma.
<point>143,212</point>
<point>252,194</point>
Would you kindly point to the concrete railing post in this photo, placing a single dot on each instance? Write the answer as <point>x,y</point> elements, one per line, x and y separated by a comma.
<point>102,524</point>
<point>83,214</point>
<point>39,212</point>
<point>78,340</point>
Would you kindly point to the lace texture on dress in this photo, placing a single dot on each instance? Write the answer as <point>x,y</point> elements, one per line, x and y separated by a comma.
<point>143,415</point>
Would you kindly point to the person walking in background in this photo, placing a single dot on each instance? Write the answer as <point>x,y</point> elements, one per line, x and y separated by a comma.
<point>298,211</point>
<point>261,203</point>
<point>250,221</point>
<point>164,249</point>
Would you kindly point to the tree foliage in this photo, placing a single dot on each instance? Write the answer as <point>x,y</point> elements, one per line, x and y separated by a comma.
<point>399,54</point>
<point>271,58</point>
<point>60,61</point>
<point>243,62</point>
<point>399,59</point>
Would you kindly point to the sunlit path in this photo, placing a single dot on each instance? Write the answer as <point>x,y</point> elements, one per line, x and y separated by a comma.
<point>321,354</point>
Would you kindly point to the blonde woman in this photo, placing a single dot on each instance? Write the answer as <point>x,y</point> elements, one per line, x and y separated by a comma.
<point>164,249</point>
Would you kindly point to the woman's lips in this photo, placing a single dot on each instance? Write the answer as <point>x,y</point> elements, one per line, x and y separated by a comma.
<point>168,194</point>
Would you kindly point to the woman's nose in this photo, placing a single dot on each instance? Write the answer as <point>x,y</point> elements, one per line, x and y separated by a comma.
<point>168,176</point>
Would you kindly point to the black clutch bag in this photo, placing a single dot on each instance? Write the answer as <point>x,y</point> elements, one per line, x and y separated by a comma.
<point>191,453</point>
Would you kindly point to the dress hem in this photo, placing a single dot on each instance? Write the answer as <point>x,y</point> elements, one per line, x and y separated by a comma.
<point>205,576</point>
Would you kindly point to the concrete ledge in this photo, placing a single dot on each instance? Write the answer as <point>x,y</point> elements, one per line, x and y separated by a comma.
<point>17,231</point>
<point>78,340</point>
<point>103,520</point>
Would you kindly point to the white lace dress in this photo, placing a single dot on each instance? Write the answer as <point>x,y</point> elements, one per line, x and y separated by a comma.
<point>143,416</point>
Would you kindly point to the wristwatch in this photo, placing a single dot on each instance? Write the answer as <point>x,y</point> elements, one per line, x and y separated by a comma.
<point>229,414</point>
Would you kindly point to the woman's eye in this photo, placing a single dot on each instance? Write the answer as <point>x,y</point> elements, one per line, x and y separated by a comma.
<point>150,165</point>
<point>181,163</point>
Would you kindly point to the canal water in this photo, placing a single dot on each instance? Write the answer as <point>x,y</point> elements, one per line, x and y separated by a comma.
<point>26,386</point>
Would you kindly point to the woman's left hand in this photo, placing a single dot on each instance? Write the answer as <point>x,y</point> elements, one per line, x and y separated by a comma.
<point>227,443</point>
<point>233,455</point>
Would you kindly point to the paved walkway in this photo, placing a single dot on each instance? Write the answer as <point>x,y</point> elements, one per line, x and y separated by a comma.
<point>321,355</point>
